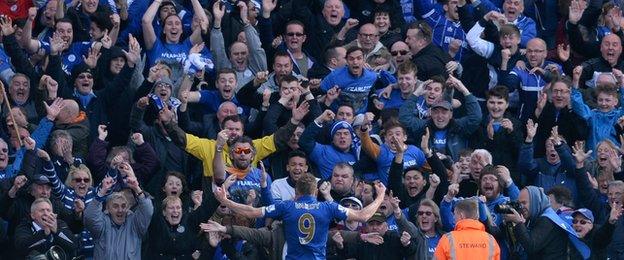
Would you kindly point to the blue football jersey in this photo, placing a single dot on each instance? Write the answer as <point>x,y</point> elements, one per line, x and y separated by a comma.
<point>306,225</point>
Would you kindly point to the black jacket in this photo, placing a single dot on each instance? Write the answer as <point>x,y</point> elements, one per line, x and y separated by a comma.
<point>545,240</point>
<point>27,240</point>
<point>431,61</point>
<point>572,126</point>
<point>597,239</point>
<point>390,249</point>
<point>165,241</point>
<point>320,33</point>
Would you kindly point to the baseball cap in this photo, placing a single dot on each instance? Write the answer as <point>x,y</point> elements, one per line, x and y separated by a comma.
<point>351,199</point>
<point>585,212</point>
<point>442,104</point>
<point>378,216</point>
<point>41,180</point>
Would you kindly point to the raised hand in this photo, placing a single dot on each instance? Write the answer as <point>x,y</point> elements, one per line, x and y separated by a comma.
<point>57,44</point>
<point>351,23</point>
<point>218,11</point>
<point>222,138</point>
<point>434,180</point>
<point>137,139</point>
<point>92,58</point>
<point>260,78</point>
<point>458,85</point>
<point>373,238</point>
<point>332,94</point>
<point>243,11</point>
<point>554,134</point>
<point>563,52</point>
<point>133,55</point>
<point>616,213</point>
<point>43,155</point>
<point>453,189</point>
<point>531,130</point>
<point>102,132</point>
<point>6,24</point>
<point>504,174</point>
<point>79,206</point>
<point>107,184</point>
<point>106,40</point>
<point>20,181</point>
<point>264,176</point>
<point>166,115</point>
<point>337,238</point>
<point>29,143</point>
<point>424,141</point>
<point>327,116</point>
<point>143,102</point>
<point>301,111</point>
<point>576,76</point>
<point>380,188</point>
<point>54,109</point>
<point>197,196</point>
<point>325,189</point>
<point>406,239</point>
<point>575,12</point>
<point>126,170</point>
<point>267,7</point>
<point>212,226</point>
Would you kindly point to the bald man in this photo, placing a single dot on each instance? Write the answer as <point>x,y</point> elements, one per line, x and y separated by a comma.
<point>610,53</point>
<point>368,40</point>
<point>530,81</point>
<point>75,122</point>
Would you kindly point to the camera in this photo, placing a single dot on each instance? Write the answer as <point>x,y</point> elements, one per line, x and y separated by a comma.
<point>505,208</point>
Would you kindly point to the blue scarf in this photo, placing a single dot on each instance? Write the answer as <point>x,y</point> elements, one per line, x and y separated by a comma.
<point>576,241</point>
<point>84,99</point>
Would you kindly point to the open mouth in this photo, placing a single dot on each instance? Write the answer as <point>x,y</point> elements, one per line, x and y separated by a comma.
<point>174,192</point>
<point>552,155</point>
<point>383,207</point>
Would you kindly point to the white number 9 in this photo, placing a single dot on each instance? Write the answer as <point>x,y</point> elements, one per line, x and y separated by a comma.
<point>307,226</point>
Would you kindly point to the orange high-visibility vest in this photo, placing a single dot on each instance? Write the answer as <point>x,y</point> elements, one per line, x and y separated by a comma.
<point>468,241</point>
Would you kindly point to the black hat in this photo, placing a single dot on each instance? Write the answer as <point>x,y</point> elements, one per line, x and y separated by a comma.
<point>41,180</point>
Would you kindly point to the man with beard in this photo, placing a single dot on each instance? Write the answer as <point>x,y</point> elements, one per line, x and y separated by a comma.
<point>212,99</point>
<point>541,233</point>
<point>206,149</point>
<point>118,232</point>
<point>557,111</point>
<point>531,80</point>
<point>284,188</point>
<point>556,168</point>
<point>448,135</point>
<point>245,176</point>
<point>352,82</point>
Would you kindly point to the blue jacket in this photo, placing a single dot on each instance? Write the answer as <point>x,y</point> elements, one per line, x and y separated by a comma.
<point>600,123</point>
<point>326,156</point>
<point>458,131</point>
<point>539,172</point>
<point>40,135</point>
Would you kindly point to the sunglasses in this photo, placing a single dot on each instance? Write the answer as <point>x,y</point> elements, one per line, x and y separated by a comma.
<point>402,52</point>
<point>291,34</point>
<point>83,76</point>
<point>583,222</point>
<point>427,213</point>
<point>350,205</point>
<point>241,150</point>
<point>85,180</point>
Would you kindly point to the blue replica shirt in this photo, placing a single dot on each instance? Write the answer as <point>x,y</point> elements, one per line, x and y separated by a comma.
<point>168,53</point>
<point>413,156</point>
<point>353,89</point>
<point>394,101</point>
<point>211,99</point>
<point>432,243</point>
<point>306,225</point>
<point>326,156</point>
<point>250,182</point>
<point>72,56</point>
<point>444,30</point>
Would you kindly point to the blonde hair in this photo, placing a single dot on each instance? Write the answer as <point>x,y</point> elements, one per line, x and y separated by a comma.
<point>73,170</point>
<point>169,199</point>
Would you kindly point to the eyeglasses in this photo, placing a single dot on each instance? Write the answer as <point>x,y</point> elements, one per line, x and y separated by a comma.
<point>583,222</point>
<point>426,213</point>
<point>368,35</point>
<point>241,150</point>
<point>291,34</point>
<point>402,52</point>
<point>85,180</point>
<point>85,76</point>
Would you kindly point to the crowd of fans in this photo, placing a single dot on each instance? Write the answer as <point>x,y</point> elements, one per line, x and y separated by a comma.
<point>311,129</point>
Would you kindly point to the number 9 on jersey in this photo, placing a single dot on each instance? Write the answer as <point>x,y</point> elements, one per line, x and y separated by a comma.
<point>307,227</point>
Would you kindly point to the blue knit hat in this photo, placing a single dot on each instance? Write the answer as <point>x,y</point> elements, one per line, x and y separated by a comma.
<point>341,125</point>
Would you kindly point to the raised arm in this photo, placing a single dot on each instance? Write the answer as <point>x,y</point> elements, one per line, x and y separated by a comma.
<point>198,10</point>
<point>480,46</point>
<point>367,212</point>
<point>244,210</point>
<point>31,45</point>
<point>58,188</point>
<point>149,35</point>
<point>218,165</point>
<point>217,43</point>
